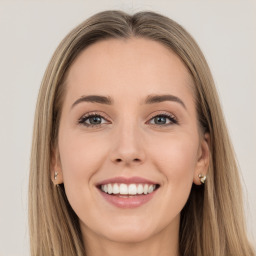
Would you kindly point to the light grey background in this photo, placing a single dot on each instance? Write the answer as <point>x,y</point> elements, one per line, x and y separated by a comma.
<point>31,30</point>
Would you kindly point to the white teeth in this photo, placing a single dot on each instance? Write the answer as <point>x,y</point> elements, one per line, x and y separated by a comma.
<point>145,190</point>
<point>150,189</point>
<point>115,189</point>
<point>109,188</point>
<point>140,189</point>
<point>123,189</point>
<point>131,189</point>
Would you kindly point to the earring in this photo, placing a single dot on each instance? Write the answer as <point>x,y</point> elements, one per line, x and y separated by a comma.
<point>202,178</point>
<point>55,175</point>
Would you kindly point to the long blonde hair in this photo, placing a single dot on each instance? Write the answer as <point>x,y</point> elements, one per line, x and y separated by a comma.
<point>212,221</point>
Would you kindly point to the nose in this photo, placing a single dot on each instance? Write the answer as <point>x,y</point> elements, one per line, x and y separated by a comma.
<point>127,146</point>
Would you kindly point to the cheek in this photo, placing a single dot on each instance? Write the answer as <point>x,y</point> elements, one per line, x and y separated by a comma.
<point>80,159</point>
<point>176,159</point>
<point>176,155</point>
<point>80,152</point>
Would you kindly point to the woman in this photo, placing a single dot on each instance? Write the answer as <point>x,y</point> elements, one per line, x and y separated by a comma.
<point>131,153</point>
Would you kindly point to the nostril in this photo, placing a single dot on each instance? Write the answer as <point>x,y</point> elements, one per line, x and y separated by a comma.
<point>118,160</point>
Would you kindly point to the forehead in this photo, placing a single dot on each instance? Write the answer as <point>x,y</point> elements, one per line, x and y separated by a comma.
<point>135,66</point>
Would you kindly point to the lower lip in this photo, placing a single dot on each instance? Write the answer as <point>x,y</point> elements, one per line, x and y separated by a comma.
<point>127,202</point>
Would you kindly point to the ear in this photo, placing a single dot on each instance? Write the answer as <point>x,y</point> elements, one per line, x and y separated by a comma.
<point>56,172</point>
<point>203,159</point>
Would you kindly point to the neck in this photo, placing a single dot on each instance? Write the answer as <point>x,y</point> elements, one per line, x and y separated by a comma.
<point>163,243</point>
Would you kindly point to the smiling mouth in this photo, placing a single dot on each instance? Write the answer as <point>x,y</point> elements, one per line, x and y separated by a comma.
<point>128,190</point>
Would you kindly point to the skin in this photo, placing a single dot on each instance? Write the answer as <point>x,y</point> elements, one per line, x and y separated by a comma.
<point>129,142</point>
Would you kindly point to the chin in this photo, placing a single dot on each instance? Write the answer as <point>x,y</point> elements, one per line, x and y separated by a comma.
<point>127,231</point>
<point>129,235</point>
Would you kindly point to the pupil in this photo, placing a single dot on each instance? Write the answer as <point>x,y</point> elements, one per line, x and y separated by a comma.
<point>160,120</point>
<point>95,120</point>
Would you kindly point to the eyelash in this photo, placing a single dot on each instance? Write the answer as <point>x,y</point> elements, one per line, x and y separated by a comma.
<point>84,118</point>
<point>87,116</point>
<point>173,120</point>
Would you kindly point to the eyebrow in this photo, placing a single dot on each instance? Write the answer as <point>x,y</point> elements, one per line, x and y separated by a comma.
<point>94,99</point>
<point>109,101</point>
<point>161,98</point>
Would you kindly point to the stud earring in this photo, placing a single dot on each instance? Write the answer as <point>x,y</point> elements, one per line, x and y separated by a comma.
<point>55,175</point>
<point>202,178</point>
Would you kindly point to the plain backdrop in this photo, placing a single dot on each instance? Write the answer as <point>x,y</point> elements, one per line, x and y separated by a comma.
<point>31,30</point>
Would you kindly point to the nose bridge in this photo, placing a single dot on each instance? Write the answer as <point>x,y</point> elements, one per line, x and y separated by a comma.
<point>127,144</point>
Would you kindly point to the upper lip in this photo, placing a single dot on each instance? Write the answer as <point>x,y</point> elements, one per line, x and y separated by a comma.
<point>126,180</point>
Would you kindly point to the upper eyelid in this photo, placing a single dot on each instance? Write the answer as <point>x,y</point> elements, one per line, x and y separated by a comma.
<point>82,120</point>
<point>154,114</point>
<point>94,113</point>
<point>162,112</point>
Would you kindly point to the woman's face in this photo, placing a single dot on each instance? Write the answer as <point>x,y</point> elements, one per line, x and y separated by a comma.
<point>138,133</point>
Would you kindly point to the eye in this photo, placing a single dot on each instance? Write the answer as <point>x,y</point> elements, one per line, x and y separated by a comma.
<point>91,120</point>
<point>163,120</point>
